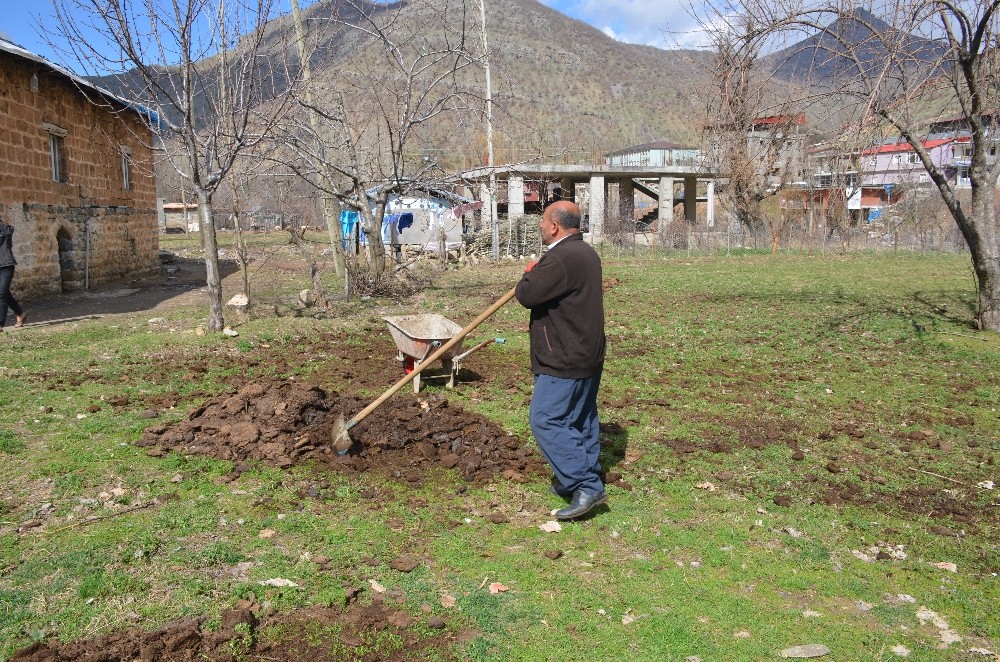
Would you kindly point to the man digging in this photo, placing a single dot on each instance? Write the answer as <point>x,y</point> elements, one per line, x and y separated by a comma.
<point>563,289</point>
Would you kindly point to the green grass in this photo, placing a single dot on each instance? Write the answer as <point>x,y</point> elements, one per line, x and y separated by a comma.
<point>718,369</point>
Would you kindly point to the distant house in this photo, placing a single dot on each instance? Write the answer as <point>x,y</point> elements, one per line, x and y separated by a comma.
<point>897,163</point>
<point>774,144</point>
<point>180,217</point>
<point>78,184</point>
<point>423,216</point>
<point>655,154</point>
<point>958,128</point>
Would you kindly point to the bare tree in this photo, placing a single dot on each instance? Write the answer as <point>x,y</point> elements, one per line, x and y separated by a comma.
<point>753,126</point>
<point>202,70</point>
<point>358,139</point>
<point>894,66</point>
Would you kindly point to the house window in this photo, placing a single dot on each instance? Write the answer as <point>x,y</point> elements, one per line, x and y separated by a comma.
<point>126,168</point>
<point>912,158</point>
<point>57,151</point>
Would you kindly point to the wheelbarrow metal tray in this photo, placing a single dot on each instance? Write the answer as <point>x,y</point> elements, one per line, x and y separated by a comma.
<point>415,335</point>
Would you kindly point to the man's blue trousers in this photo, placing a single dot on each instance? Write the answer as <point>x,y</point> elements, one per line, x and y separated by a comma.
<point>563,417</point>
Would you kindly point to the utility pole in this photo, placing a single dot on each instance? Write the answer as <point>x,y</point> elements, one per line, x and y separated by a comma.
<point>494,222</point>
<point>329,212</point>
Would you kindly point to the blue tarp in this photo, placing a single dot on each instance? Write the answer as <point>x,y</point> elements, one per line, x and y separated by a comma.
<point>348,221</point>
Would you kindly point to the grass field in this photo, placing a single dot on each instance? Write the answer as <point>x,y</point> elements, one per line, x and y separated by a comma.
<point>804,442</point>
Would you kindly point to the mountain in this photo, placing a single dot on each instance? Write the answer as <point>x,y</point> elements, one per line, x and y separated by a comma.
<point>563,90</point>
<point>857,39</point>
<point>561,87</point>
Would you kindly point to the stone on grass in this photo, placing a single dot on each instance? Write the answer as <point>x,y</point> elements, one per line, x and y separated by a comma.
<point>805,651</point>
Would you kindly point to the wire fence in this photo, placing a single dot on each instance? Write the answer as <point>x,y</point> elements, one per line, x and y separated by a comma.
<point>519,237</point>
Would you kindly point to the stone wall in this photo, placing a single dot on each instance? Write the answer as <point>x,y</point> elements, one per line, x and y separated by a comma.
<point>88,228</point>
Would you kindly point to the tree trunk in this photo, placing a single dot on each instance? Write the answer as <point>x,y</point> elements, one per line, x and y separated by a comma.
<point>331,213</point>
<point>982,240</point>
<point>986,264</point>
<point>213,278</point>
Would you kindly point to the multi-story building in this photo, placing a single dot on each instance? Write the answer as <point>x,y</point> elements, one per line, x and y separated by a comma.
<point>958,128</point>
<point>77,181</point>
<point>774,148</point>
<point>661,153</point>
<point>896,163</point>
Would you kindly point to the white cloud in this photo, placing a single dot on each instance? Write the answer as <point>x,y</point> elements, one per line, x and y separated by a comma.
<point>651,22</point>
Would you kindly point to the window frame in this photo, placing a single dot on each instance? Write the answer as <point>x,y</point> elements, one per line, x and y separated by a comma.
<point>126,167</point>
<point>57,152</point>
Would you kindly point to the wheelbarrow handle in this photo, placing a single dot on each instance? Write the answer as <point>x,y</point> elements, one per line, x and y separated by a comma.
<point>417,369</point>
<point>477,348</point>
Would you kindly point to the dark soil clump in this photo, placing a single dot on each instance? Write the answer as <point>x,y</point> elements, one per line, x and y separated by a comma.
<point>284,422</point>
<point>319,634</point>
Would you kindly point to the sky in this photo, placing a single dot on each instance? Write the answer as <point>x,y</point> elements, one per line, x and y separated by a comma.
<point>659,23</point>
<point>17,20</point>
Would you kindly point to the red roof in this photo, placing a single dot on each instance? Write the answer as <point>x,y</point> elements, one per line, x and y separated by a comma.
<point>892,148</point>
<point>798,120</point>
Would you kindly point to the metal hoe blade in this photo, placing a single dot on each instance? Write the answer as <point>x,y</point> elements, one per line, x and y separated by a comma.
<point>341,437</point>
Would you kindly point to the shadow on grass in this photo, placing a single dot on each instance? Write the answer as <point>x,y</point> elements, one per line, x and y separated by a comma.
<point>124,296</point>
<point>614,443</point>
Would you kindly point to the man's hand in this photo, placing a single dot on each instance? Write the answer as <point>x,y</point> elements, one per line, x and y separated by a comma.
<point>531,265</point>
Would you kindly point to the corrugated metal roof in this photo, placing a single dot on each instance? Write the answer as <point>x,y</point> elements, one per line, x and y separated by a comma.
<point>10,47</point>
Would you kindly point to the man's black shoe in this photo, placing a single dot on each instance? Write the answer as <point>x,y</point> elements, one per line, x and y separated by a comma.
<point>557,489</point>
<point>582,503</point>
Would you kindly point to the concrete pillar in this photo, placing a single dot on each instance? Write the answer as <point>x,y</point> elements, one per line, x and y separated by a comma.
<point>690,199</point>
<point>626,204</point>
<point>710,213</point>
<point>485,212</point>
<point>568,191</point>
<point>665,213</point>
<point>597,193</point>
<point>515,197</point>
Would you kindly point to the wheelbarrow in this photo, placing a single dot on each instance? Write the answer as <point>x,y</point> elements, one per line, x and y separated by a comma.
<point>416,338</point>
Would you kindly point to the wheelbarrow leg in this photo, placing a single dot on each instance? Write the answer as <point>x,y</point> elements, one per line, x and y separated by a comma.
<point>452,367</point>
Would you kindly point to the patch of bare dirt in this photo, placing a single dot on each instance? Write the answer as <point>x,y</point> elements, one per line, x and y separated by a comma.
<point>284,421</point>
<point>317,633</point>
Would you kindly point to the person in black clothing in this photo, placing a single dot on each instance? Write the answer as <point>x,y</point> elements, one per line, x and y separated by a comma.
<point>7,263</point>
<point>564,292</point>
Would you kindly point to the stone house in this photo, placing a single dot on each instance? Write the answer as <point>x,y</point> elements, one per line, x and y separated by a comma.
<point>77,182</point>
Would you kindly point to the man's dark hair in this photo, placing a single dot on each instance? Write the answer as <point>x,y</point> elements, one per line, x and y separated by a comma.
<point>566,218</point>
